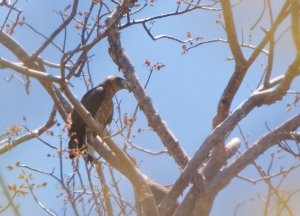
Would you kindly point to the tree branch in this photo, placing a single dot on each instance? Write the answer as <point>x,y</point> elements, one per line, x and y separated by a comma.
<point>256,99</point>
<point>57,31</point>
<point>155,121</point>
<point>231,32</point>
<point>31,135</point>
<point>283,132</point>
<point>28,72</point>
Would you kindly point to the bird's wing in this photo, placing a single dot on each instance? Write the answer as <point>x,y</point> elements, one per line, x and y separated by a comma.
<point>93,98</point>
<point>95,101</point>
<point>91,101</point>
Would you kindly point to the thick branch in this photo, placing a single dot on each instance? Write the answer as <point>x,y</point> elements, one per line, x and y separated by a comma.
<point>154,119</point>
<point>217,160</point>
<point>187,205</point>
<point>283,132</point>
<point>105,189</point>
<point>295,24</point>
<point>231,32</point>
<point>13,46</point>
<point>33,69</point>
<point>241,69</point>
<point>257,99</point>
<point>60,102</point>
<point>28,72</point>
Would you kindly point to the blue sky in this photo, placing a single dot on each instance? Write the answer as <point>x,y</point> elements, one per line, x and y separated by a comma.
<point>185,92</point>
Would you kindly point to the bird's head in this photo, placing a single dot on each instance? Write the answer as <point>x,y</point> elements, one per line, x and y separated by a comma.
<point>118,82</point>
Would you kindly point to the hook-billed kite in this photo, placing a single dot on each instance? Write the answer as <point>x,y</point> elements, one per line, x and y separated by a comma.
<point>98,101</point>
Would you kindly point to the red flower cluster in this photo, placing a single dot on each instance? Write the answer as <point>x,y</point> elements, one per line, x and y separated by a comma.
<point>157,66</point>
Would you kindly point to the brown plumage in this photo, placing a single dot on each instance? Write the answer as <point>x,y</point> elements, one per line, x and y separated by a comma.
<point>98,101</point>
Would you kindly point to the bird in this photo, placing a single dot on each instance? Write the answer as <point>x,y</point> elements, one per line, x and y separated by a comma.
<point>99,102</point>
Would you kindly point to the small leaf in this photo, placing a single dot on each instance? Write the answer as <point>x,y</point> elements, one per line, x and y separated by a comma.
<point>12,187</point>
<point>21,176</point>
<point>14,130</point>
<point>22,192</point>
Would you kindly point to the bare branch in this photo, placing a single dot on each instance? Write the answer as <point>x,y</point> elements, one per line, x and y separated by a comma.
<point>28,72</point>
<point>281,16</point>
<point>94,195</point>
<point>106,193</point>
<point>250,46</point>
<point>223,129</point>
<point>57,31</point>
<point>231,32</point>
<point>154,119</point>
<point>39,203</point>
<point>29,136</point>
<point>264,143</point>
<point>119,195</point>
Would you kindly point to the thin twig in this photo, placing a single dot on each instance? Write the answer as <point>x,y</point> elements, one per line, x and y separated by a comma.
<point>30,135</point>
<point>9,198</point>
<point>57,31</point>
<point>38,202</point>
